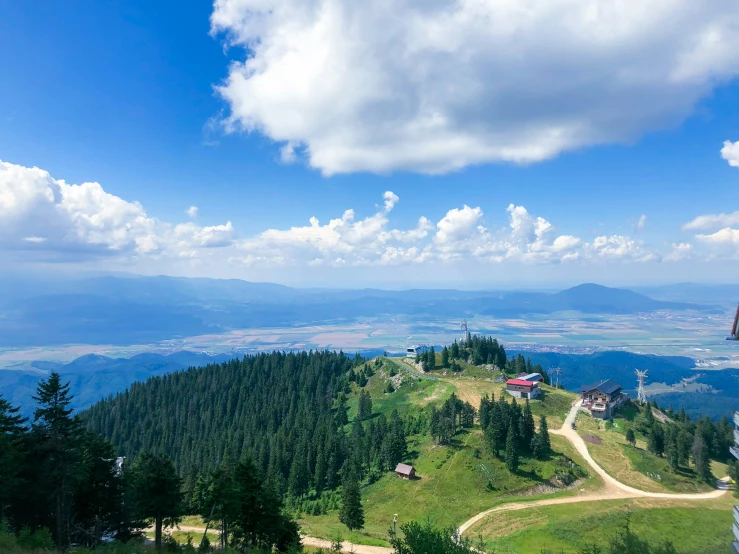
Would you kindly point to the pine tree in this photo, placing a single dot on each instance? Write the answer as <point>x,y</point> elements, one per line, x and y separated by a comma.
<point>673,456</point>
<point>454,350</point>
<point>56,440</point>
<point>656,440</point>
<point>298,479</point>
<point>351,513</point>
<point>528,427</point>
<point>511,449</point>
<point>157,492</point>
<point>684,445</point>
<point>701,458</point>
<point>12,455</point>
<point>445,357</point>
<point>99,493</point>
<point>542,439</point>
<point>364,411</point>
<point>631,437</point>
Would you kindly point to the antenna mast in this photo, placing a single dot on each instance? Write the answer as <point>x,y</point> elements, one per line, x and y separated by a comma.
<point>464,331</point>
<point>641,375</point>
<point>555,371</point>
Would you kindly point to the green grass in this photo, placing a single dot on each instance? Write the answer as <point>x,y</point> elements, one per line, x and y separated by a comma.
<point>700,529</point>
<point>553,403</point>
<point>452,487</point>
<point>634,466</point>
<point>412,395</point>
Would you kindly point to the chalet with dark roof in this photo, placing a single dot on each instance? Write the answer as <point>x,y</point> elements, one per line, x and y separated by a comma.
<point>602,398</point>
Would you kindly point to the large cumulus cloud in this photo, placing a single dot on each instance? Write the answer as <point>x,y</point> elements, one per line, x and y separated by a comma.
<point>433,86</point>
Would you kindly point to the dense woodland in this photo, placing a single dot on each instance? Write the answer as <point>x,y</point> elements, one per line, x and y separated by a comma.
<point>285,411</point>
<point>63,485</point>
<point>242,441</point>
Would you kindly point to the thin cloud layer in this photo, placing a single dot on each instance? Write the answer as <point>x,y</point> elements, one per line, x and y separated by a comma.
<point>433,87</point>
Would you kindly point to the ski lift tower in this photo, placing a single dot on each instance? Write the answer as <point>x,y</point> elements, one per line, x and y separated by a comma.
<point>735,451</point>
<point>555,371</point>
<point>641,375</point>
<point>465,331</point>
<point>734,331</point>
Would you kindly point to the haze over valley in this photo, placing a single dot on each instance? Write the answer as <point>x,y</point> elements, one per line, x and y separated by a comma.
<point>105,333</point>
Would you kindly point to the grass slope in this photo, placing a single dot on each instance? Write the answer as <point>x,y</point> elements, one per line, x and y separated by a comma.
<point>702,528</point>
<point>635,466</point>
<point>455,481</point>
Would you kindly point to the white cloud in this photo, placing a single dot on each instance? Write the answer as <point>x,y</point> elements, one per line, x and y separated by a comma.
<point>436,86</point>
<point>35,240</point>
<point>527,238</point>
<point>192,211</point>
<point>730,152</point>
<point>642,221</point>
<point>618,247</point>
<point>207,237</point>
<point>390,200</point>
<point>344,240</point>
<point>723,237</point>
<point>712,221</point>
<point>49,215</point>
<point>459,230</point>
<point>681,251</point>
<point>44,218</point>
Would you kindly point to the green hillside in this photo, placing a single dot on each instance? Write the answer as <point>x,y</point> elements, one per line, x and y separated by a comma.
<point>456,480</point>
<point>694,528</point>
<point>310,419</point>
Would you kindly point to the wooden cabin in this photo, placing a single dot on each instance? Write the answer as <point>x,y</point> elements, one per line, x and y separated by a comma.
<point>404,471</point>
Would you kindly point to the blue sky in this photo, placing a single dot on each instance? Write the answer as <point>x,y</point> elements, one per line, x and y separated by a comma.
<point>160,105</point>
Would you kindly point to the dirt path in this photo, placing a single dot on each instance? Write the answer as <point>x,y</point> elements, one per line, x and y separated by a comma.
<point>612,490</point>
<point>572,435</point>
<point>307,541</point>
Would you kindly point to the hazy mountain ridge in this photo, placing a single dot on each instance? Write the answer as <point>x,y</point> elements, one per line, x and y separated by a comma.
<point>131,310</point>
<point>93,377</point>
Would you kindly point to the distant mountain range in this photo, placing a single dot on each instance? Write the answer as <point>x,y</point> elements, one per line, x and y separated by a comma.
<point>139,310</point>
<point>93,377</point>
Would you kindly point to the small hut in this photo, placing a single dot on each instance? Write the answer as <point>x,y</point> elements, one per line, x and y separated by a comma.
<point>405,471</point>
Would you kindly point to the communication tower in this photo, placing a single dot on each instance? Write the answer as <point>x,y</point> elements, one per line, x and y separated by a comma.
<point>555,371</point>
<point>641,375</point>
<point>465,332</point>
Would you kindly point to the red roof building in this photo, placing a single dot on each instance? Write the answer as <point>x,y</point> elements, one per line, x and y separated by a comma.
<point>521,388</point>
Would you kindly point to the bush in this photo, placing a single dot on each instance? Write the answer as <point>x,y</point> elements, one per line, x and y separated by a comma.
<point>7,539</point>
<point>35,540</point>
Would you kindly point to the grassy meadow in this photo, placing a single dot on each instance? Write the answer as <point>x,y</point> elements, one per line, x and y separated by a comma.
<point>694,528</point>
<point>455,481</point>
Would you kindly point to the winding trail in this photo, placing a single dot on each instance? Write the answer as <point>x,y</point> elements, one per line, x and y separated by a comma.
<point>612,490</point>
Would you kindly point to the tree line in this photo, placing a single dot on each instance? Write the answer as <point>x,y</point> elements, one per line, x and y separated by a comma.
<point>63,484</point>
<point>681,440</point>
<point>510,431</point>
<point>478,350</point>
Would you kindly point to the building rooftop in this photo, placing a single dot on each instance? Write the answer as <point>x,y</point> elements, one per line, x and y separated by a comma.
<point>608,386</point>
<point>404,469</point>
<point>520,382</point>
